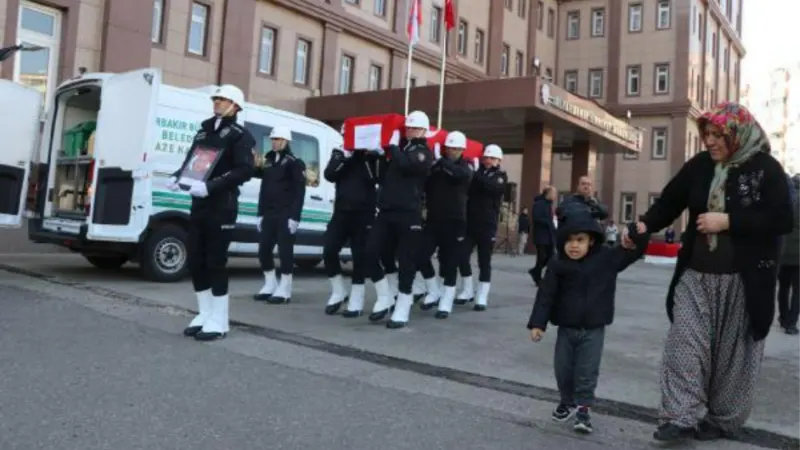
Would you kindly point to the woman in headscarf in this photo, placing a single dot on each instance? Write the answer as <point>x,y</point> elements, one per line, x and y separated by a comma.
<point>719,300</point>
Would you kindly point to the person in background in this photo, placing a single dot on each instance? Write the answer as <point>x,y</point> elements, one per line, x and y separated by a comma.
<point>577,295</point>
<point>611,233</point>
<point>669,235</point>
<point>739,206</point>
<point>582,200</point>
<point>544,231</point>
<point>523,230</point>
<point>789,273</point>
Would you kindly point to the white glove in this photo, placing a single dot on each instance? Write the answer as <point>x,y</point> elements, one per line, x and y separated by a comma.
<point>378,150</point>
<point>437,151</point>
<point>199,190</point>
<point>258,223</point>
<point>293,224</point>
<point>395,140</point>
<point>347,153</point>
<point>172,184</point>
<point>476,163</point>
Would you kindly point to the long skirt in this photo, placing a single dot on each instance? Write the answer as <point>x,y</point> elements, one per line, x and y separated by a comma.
<point>711,360</point>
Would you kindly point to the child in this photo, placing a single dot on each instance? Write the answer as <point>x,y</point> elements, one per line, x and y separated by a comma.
<point>577,295</point>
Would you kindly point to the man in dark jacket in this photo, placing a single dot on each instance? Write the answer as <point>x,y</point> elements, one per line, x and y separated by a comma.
<point>789,273</point>
<point>582,200</point>
<point>445,223</point>
<point>544,231</point>
<point>483,213</point>
<point>354,174</point>
<point>222,152</point>
<point>280,204</point>
<point>523,230</point>
<point>398,225</point>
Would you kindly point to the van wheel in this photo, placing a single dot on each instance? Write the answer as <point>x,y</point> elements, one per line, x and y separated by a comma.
<point>107,262</point>
<point>307,263</point>
<point>164,254</point>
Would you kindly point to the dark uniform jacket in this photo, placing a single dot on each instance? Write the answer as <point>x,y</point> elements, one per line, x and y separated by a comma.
<point>486,196</point>
<point>544,229</point>
<point>446,190</point>
<point>283,185</point>
<point>355,179</point>
<point>407,169</point>
<point>576,203</point>
<point>233,167</point>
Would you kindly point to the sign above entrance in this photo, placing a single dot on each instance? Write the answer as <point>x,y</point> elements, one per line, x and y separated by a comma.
<point>610,125</point>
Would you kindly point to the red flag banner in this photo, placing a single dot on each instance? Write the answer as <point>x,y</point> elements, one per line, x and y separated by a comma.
<point>449,15</point>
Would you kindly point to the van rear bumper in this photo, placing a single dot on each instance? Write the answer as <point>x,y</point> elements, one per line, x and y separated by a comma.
<point>75,242</point>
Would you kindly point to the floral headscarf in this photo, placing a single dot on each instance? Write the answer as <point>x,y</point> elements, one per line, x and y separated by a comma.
<point>744,137</point>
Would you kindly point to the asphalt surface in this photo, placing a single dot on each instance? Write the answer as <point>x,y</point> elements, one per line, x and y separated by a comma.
<point>84,372</point>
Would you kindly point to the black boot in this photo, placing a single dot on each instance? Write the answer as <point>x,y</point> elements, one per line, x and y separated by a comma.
<point>672,433</point>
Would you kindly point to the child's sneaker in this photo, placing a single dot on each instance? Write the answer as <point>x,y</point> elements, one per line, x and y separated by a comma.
<point>563,412</point>
<point>583,421</point>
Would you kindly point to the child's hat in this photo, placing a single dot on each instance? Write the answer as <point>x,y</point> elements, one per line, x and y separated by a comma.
<point>579,222</point>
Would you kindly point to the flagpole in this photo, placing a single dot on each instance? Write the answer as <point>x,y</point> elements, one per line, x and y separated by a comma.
<point>441,81</point>
<point>408,73</point>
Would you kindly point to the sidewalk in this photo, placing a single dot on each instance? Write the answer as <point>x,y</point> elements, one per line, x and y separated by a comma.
<point>493,345</point>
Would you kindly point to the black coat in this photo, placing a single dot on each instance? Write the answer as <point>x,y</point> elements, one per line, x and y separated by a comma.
<point>355,179</point>
<point>283,185</point>
<point>576,203</point>
<point>544,229</point>
<point>233,168</point>
<point>446,190</point>
<point>403,182</point>
<point>523,223</point>
<point>581,293</point>
<point>759,210</point>
<point>485,197</point>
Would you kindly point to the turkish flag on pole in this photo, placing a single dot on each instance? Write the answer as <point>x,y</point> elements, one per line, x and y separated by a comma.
<point>414,22</point>
<point>449,15</point>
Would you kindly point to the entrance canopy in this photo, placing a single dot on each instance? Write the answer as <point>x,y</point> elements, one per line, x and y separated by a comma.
<point>495,111</point>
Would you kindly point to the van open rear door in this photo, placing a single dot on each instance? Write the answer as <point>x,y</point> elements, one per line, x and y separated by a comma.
<point>125,134</point>
<point>19,127</point>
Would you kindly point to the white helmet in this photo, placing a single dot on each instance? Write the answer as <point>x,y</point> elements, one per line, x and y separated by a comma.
<point>281,132</point>
<point>418,119</point>
<point>230,92</point>
<point>455,139</point>
<point>493,151</point>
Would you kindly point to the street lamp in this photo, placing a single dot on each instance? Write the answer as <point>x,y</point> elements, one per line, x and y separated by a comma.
<point>6,52</point>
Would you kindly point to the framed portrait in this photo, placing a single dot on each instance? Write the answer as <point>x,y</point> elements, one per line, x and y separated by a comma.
<point>199,167</point>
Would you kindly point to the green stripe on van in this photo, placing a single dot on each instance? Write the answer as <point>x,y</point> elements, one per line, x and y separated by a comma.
<point>183,202</point>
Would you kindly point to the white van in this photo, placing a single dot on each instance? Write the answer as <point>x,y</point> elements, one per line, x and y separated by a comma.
<point>105,196</point>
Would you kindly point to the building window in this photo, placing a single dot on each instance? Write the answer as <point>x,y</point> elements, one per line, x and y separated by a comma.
<point>726,55</point>
<point>462,37</point>
<point>551,22</point>
<point>266,51</point>
<point>598,22</point>
<point>379,8</point>
<point>479,46</point>
<point>571,81</point>
<point>522,9</point>
<point>198,29</point>
<point>713,44</point>
<point>595,83</point>
<point>510,5</point>
<point>663,15</point>
<point>519,62</point>
<point>540,15</point>
<point>661,86</point>
<point>659,144</point>
<point>346,74</point>
<point>635,18</point>
<point>302,57</point>
<point>627,210</point>
<point>504,60</point>
<point>351,2</point>
<point>412,82</point>
<point>573,25</point>
<point>156,30</point>
<point>40,26</point>
<point>436,25</point>
<point>634,81</point>
<point>375,77</point>
<point>548,74</point>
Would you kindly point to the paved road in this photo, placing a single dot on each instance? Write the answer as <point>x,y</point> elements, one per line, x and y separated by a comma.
<point>84,372</point>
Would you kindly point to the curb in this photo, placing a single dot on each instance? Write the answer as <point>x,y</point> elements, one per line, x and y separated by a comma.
<point>746,435</point>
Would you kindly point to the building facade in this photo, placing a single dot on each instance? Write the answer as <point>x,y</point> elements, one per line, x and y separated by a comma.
<point>658,62</point>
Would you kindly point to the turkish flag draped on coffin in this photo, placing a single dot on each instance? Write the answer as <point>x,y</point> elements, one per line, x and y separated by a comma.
<point>369,132</point>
